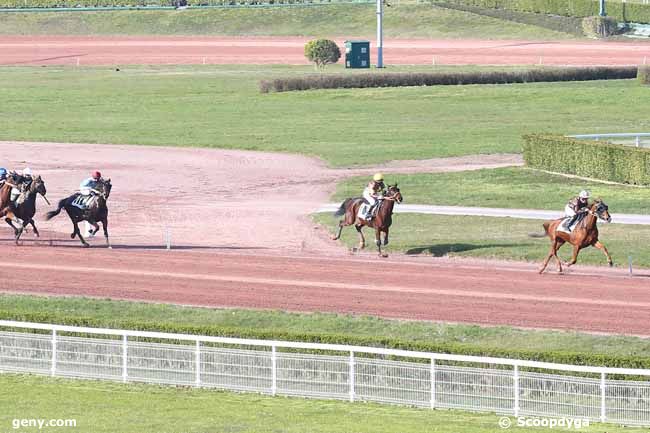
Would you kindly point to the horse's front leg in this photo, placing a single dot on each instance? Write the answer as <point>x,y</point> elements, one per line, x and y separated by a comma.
<point>105,227</point>
<point>19,232</point>
<point>378,242</point>
<point>602,248</point>
<point>386,236</point>
<point>36,233</point>
<point>362,240</point>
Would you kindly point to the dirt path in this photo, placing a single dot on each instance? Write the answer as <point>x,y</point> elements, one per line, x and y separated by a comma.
<point>102,50</point>
<point>232,199</point>
<point>428,289</point>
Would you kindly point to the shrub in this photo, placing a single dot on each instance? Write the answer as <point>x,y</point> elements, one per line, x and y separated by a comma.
<point>643,75</point>
<point>363,80</point>
<point>322,52</point>
<point>592,159</point>
<point>599,27</point>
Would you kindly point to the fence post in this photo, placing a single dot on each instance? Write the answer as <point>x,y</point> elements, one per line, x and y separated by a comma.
<point>433,382</point>
<point>351,373</point>
<point>516,389</point>
<point>197,359</point>
<point>603,409</point>
<point>53,369</point>
<point>274,371</point>
<point>638,141</point>
<point>125,351</point>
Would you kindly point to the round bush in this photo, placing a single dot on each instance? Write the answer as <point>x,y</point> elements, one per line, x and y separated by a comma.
<point>322,52</point>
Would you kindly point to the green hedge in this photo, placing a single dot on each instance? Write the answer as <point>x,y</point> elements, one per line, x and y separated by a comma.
<point>46,4</point>
<point>592,159</point>
<point>622,12</point>
<point>562,357</point>
<point>366,80</point>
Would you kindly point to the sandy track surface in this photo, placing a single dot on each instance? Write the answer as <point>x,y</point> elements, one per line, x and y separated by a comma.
<point>230,199</point>
<point>101,50</point>
<point>428,290</point>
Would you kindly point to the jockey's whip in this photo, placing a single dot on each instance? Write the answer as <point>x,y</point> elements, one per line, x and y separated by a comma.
<point>46,200</point>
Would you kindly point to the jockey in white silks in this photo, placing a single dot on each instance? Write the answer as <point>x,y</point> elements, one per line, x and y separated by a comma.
<point>373,192</point>
<point>87,188</point>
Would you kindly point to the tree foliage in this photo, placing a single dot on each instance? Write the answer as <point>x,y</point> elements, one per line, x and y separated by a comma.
<point>322,52</point>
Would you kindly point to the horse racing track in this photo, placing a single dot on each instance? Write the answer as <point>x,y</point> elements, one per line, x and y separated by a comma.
<point>252,245</point>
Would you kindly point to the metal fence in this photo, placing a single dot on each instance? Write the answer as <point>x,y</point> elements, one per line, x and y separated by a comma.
<point>433,380</point>
<point>637,139</point>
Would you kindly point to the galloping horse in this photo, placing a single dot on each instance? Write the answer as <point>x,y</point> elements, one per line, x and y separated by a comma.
<point>584,234</point>
<point>26,210</point>
<point>97,212</point>
<point>381,222</point>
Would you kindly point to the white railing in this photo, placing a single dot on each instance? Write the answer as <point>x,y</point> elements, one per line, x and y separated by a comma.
<point>622,138</point>
<point>433,380</point>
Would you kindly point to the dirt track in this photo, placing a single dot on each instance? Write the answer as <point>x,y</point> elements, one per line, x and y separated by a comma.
<point>73,50</point>
<point>429,289</point>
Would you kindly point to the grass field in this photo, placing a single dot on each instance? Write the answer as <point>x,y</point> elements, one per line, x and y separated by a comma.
<point>222,107</point>
<point>498,238</point>
<point>107,407</point>
<point>121,314</point>
<point>403,21</point>
<point>505,188</point>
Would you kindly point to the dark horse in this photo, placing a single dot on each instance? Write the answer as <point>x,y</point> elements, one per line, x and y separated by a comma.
<point>583,235</point>
<point>97,212</point>
<point>381,222</point>
<point>24,211</point>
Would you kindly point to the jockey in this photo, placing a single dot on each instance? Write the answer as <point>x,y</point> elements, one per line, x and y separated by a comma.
<point>374,192</point>
<point>576,206</point>
<point>87,186</point>
<point>3,175</point>
<point>23,181</point>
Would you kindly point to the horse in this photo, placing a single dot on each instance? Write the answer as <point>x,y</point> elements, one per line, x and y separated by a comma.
<point>24,211</point>
<point>381,222</point>
<point>97,212</point>
<point>583,235</point>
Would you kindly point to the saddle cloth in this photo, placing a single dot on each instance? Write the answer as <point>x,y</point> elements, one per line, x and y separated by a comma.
<point>560,227</point>
<point>363,209</point>
<point>84,201</point>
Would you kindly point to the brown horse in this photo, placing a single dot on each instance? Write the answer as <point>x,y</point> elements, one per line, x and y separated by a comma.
<point>381,222</point>
<point>584,234</point>
<point>26,210</point>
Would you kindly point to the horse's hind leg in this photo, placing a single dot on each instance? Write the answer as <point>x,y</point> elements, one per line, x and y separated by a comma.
<point>602,248</point>
<point>574,257</point>
<point>11,223</point>
<point>552,253</point>
<point>362,240</point>
<point>340,229</point>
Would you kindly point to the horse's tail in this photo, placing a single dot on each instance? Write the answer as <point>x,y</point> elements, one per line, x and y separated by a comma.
<point>341,210</point>
<point>51,214</point>
<point>547,226</point>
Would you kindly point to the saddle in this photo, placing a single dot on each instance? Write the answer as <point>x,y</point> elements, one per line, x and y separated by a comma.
<point>84,202</point>
<point>561,226</point>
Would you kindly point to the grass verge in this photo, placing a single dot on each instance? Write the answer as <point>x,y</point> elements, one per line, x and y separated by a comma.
<point>498,238</point>
<point>513,188</point>
<point>363,330</point>
<point>108,407</point>
<point>401,21</point>
<point>220,106</point>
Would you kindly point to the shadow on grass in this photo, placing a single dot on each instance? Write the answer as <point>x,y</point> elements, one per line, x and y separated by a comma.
<point>440,250</point>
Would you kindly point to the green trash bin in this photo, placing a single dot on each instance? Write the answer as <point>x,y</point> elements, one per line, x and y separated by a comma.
<point>357,54</point>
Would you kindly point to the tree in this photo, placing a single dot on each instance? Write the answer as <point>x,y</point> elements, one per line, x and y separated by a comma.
<point>322,52</point>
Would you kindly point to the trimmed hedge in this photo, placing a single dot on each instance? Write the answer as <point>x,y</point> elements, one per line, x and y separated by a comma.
<point>622,12</point>
<point>592,159</point>
<point>45,4</point>
<point>561,357</point>
<point>364,80</point>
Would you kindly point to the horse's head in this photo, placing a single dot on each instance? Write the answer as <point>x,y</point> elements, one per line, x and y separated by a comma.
<point>600,209</point>
<point>38,186</point>
<point>106,185</point>
<point>394,193</point>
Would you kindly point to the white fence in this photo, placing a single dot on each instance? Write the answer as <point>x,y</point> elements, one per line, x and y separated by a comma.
<point>638,139</point>
<point>351,373</point>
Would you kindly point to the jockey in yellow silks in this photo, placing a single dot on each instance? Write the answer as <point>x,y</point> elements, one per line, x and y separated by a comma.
<point>374,192</point>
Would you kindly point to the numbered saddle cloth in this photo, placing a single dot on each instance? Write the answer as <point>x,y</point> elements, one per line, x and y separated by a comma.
<point>84,201</point>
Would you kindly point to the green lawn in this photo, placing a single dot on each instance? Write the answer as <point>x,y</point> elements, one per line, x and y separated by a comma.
<point>221,107</point>
<point>126,314</point>
<point>505,188</point>
<point>108,407</point>
<point>497,238</point>
<point>403,21</point>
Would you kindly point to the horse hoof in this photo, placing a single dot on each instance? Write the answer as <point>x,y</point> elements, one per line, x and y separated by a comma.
<point>611,264</point>
<point>72,235</point>
<point>383,255</point>
<point>86,245</point>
